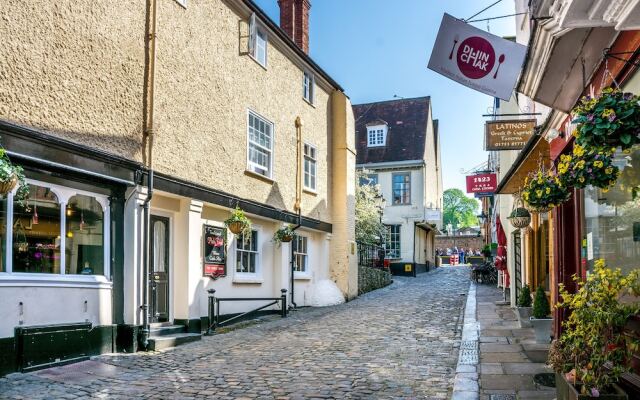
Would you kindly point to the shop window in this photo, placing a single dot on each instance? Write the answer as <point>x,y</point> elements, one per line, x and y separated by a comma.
<point>36,232</point>
<point>260,146</point>
<point>392,241</point>
<point>402,188</point>
<point>84,236</point>
<point>611,227</point>
<point>310,167</point>
<point>300,253</point>
<point>247,253</point>
<point>3,233</point>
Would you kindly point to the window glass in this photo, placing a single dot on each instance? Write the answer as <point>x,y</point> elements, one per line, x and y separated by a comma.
<point>402,188</point>
<point>260,145</point>
<point>300,253</point>
<point>261,46</point>
<point>84,236</point>
<point>307,87</point>
<point>310,167</point>
<point>247,253</point>
<point>376,136</point>
<point>36,232</point>
<point>392,241</point>
<point>611,228</point>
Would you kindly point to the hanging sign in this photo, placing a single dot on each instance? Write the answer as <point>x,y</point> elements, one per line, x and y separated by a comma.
<point>215,256</point>
<point>508,135</point>
<point>482,183</point>
<point>477,59</point>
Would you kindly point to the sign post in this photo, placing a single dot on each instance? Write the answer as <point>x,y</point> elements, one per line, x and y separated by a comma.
<point>477,59</point>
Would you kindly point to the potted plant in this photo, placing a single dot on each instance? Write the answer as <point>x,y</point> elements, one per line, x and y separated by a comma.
<point>238,223</point>
<point>588,167</point>
<point>524,307</point>
<point>593,351</point>
<point>486,251</point>
<point>540,320</point>
<point>284,234</point>
<point>611,119</point>
<point>10,176</point>
<point>520,217</point>
<point>543,191</point>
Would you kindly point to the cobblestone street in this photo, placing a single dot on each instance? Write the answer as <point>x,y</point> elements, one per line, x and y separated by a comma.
<point>397,342</point>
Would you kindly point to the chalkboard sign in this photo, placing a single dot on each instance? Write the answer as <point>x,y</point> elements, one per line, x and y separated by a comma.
<point>215,254</point>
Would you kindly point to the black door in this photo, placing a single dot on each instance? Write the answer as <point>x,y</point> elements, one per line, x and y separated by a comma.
<point>517,253</point>
<point>160,269</point>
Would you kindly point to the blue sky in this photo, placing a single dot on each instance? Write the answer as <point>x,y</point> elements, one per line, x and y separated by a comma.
<point>377,49</point>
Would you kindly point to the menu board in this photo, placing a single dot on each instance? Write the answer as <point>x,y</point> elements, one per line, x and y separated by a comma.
<point>215,253</point>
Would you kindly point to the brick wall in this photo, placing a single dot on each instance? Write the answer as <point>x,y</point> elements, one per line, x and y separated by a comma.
<point>464,241</point>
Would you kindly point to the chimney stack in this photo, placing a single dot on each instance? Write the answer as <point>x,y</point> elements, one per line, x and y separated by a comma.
<point>294,20</point>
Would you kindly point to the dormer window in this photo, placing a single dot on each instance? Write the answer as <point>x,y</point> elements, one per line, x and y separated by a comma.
<point>376,135</point>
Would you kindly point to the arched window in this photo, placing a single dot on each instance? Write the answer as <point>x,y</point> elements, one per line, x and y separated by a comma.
<point>84,236</point>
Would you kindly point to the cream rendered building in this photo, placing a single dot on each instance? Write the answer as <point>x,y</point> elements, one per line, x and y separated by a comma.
<point>237,115</point>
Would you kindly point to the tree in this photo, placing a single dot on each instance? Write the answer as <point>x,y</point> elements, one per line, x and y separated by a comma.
<point>369,227</point>
<point>459,210</point>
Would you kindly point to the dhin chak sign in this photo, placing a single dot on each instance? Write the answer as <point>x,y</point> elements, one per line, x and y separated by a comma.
<point>477,59</point>
<point>508,135</point>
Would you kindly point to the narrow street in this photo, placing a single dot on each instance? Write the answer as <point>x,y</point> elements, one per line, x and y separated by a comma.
<point>397,342</point>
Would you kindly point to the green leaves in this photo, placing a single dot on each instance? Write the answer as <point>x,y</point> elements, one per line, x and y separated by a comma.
<point>459,210</point>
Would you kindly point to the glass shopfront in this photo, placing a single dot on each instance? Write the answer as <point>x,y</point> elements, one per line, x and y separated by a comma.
<point>611,226</point>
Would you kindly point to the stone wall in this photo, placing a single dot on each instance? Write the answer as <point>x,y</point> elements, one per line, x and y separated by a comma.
<point>462,241</point>
<point>371,279</point>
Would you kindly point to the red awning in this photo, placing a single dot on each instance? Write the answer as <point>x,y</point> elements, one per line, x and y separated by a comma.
<point>501,256</point>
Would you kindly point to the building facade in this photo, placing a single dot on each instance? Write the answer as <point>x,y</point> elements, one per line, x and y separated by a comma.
<point>398,147</point>
<point>213,106</point>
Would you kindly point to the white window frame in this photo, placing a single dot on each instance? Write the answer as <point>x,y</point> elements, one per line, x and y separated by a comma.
<point>312,161</point>
<point>251,166</point>
<point>307,273</point>
<point>62,279</point>
<point>308,87</point>
<point>390,234</point>
<point>248,277</point>
<point>377,135</point>
<point>183,3</point>
<point>409,189</point>
<point>255,31</point>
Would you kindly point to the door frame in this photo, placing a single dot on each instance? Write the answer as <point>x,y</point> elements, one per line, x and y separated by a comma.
<point>170,217</point>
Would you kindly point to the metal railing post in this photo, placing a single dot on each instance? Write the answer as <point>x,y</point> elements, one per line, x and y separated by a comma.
<point>283,298</point>
<point>212,300</point>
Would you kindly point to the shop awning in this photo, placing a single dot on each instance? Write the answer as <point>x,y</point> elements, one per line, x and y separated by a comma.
<point>429,227</point>
<point>535,152</point>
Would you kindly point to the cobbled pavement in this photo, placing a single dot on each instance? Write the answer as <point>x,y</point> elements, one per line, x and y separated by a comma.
<point>400,342</point>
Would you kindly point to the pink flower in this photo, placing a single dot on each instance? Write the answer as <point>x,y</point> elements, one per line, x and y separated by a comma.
<point>595,392</point>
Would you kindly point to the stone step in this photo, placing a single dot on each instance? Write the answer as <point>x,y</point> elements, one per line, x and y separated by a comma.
<point>165,342</point>
<point>166,330</point>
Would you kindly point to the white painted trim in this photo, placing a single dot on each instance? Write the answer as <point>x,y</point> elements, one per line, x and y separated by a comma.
<point>8,261</point>
<point>26,279</point>
<point>63,237</point>
<point>271,175</point>
<point>172,288</point>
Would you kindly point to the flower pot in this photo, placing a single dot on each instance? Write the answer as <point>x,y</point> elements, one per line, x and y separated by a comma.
<point>524,316</point>
<point>520,217</point>
<point>542,328</point>
<point>8,185</point>
<point>286,239</point>
<point>566,391</point>
<point>236,227</point>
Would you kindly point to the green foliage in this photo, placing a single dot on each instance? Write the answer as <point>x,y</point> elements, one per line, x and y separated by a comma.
<point>9,171</point>
<point>588,167</point>
<point>541,304</point>
<point>459,210</point>
<point>237,215</point>
<point>544,190</point>
<point>593,345</point>
<point>486,250</point>
<point>284,234</point>
<point>611,119</point>
<point>524,300</point>
<point>369,228</point>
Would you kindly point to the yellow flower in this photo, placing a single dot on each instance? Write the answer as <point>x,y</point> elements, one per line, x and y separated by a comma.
<point>539,193</point>
<point>598,164</point>
<point>526,195</point>
<point>605,190</point>
<point>579,165</point>
<point>548,190</point>
<point>608,170</point>
<point>607,112</point>
<point>578,150</point>
<point>581,179</point>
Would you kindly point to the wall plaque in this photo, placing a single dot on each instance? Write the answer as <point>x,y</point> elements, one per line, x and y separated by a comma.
<point>508,135</point>
<point>215,255</point>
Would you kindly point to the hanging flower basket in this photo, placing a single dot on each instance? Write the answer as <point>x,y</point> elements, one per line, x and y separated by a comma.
<point>588,167</point>
<point>520,217</point>
<point>543,191</point>
<point>238,223</point>
<point>284,234</point>
<point>611,119</point>
<point>10,176</point>
<point>7,185</point>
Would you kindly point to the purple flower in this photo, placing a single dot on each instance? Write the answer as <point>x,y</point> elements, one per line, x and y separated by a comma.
<point>627,96</point>
<point>595,392</point>
<point>590,117</point>
<point>589,170</point>
<point>612,117</point>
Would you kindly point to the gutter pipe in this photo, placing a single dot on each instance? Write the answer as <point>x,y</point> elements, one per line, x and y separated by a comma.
<point>298,204</point>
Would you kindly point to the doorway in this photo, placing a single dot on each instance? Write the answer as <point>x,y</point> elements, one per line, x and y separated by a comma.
<point>159,269</point>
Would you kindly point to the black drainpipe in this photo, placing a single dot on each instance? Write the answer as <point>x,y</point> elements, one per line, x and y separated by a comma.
<point>146,254</point>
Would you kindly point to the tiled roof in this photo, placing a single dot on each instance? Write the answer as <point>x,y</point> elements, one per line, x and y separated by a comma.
<point>406,137</point>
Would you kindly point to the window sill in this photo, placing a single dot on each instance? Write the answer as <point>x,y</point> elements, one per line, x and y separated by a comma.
<point>301,277</point>
<point>310,192</point>
<point>248,279</point>
<point>258,62</point>
<point>22,279</point>
<point>258,176</point>
<point>309,102</point>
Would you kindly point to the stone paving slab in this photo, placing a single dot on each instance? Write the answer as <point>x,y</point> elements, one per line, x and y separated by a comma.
<point>400,342</point>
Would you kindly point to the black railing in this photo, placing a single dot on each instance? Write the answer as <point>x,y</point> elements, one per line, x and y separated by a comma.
<point>214,308</point>
<point>370,255</point>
